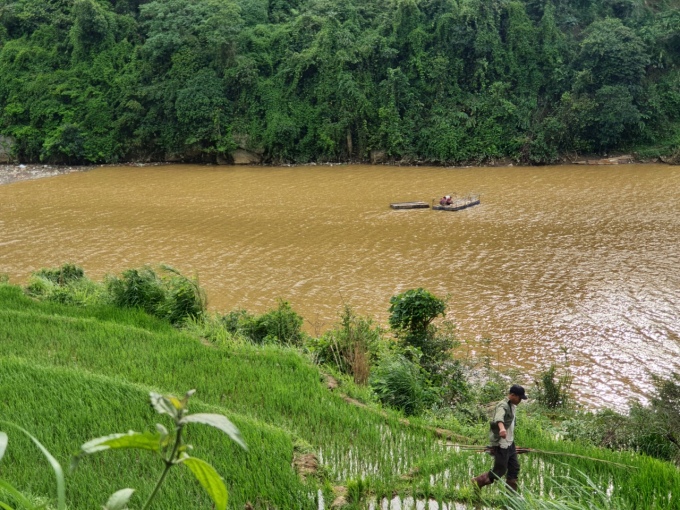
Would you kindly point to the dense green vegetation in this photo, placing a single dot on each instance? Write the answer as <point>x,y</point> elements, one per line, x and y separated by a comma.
<point>306,80</point>
<point>74,369</point>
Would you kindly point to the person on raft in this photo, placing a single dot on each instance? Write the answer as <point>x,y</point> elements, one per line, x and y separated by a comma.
<point>445,200</point>
<point>501,437</point>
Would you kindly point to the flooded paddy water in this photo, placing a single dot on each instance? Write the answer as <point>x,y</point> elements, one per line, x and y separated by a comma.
<point>582,257</point>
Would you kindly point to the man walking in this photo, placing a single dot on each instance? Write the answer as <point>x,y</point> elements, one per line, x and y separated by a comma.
<point>502,439</point>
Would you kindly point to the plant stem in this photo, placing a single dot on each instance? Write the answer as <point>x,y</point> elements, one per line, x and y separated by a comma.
<point>168,465</point>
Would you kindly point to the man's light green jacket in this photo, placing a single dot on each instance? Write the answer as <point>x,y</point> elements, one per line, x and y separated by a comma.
<point>502,412</point>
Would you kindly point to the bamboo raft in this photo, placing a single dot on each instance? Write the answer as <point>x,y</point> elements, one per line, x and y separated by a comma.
<point>410,205</point>
<point>459,204</point>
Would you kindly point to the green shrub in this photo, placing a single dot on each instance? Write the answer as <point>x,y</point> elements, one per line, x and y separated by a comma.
<point>174,298</point>
<point>658,423</point>
<point>233,320</point>
<point>455,386</point>
<point>63,275</point>
<point>399,383</point>
<point>552,391</point>
<point>66,285</point>
<point>352,346</point>
<point>414,310</point>
<point>280,325</point>
<point>138,288</point>
<point>492,391</point>
<point>411,317</point>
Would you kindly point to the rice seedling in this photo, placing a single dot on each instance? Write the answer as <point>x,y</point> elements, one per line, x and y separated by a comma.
<point>58,406</point>
<point>61,365</point>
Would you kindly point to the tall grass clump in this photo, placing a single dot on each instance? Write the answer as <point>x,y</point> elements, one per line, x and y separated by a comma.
<point>185,297</point>
<point>172,296</point>
<point>137,288</point>
<point>280,325</point>
<point>401,384</point>
<point>351,347</point>
<point>66,285</point>
<point>552,389</point>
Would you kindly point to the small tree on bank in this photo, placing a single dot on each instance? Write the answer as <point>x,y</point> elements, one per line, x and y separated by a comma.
<point>412,314</point>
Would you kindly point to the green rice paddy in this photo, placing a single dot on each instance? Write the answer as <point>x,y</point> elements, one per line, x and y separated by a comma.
<point>70,374</point>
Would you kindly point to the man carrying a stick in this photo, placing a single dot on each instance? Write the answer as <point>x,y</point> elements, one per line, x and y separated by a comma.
<point>501,438</point>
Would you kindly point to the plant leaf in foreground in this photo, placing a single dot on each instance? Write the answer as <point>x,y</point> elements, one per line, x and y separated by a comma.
<point>210,480</point>
<point>56,467</point>
<point>136,440</point>
<point>18,496</point>
<point>3,444</point>
<point>119,499</point>
<point>219,422</point>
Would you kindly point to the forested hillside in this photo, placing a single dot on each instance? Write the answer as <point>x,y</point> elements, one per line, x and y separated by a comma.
<point>441,81</point>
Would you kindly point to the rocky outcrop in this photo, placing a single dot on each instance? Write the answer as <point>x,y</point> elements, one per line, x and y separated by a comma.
<point>377,156</point>
<point>673,159</point>
<point>242,141</point>
<point>244,157</point>
<point>619,160</point>
<point>6,144</point>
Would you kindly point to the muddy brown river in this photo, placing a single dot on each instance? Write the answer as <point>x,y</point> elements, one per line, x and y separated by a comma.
<point>582,257</point>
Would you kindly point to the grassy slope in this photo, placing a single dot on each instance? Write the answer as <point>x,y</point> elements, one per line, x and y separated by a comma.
<point>61,366</point>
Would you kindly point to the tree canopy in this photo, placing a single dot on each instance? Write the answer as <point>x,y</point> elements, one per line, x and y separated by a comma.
<point>441,81</point>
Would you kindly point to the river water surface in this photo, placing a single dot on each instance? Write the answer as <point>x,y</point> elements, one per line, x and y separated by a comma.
<point>582,257</point>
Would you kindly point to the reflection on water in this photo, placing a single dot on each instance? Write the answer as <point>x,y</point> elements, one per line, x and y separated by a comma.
<point>408,503</point>
<point>581,257</point>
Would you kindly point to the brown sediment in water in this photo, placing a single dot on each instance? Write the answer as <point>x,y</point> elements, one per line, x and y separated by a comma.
<point>582,257</point>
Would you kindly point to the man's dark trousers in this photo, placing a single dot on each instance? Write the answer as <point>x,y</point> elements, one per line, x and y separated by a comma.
<point>505,462</point>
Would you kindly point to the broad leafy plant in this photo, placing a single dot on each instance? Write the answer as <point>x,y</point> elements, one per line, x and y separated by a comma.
<point>415,309</point>
<point>411,318</point>
<point>167,444</point>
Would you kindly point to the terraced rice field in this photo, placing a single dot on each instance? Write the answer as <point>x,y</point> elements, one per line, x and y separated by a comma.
<point>70,374</point>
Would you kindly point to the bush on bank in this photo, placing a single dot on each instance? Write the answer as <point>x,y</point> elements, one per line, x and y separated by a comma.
<point>170,296</point>
<point>278,325</point>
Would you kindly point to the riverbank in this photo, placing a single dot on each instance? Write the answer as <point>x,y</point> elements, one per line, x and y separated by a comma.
<point>14,173</point>
<point>22,172</point>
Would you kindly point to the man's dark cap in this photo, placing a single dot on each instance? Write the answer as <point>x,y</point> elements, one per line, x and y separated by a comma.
<point>516,389</point>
